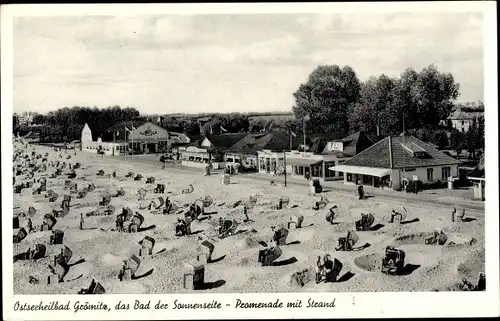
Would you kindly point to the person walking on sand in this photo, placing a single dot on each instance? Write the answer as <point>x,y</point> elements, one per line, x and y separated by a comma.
<point>81,221</point>
<point>30,225</point>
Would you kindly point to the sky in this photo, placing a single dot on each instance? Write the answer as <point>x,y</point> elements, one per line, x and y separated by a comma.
<point>224,63</point>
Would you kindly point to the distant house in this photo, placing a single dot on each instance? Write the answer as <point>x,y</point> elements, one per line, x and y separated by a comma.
<point>92,142</point>
<point>478,180</point>
<point>134,136</point>
<point>394,160</point>
<point>464,119</point>
<point>145,137</point>
<point>210,148</point>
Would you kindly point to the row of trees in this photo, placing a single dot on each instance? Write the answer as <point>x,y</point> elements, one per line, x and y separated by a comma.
<point>67,123</point>
<point>337,101</point>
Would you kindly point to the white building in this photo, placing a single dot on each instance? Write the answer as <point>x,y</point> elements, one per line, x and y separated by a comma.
<point>396,159</point>
<point>465,119</point>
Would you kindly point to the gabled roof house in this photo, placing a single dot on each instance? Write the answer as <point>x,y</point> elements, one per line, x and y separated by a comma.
<point>395,159</point>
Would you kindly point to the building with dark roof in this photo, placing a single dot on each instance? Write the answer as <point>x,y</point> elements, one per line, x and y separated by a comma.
<point>244,152</point>
<point>464,119</point>
<point>395,160</point>
<point>209,149</point>
<point>321,152</point>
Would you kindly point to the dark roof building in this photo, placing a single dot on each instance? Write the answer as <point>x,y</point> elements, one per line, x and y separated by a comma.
<point>253,142</point>
<point>349,146</point>
<point>401,152</point>
<point>395,160</point>
<point>222,142</point>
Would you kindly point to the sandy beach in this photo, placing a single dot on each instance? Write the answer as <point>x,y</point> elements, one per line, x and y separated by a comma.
<point>99,251</point>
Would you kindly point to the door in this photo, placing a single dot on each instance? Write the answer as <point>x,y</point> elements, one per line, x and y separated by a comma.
<point>268,165</point>
<point>307,171</point>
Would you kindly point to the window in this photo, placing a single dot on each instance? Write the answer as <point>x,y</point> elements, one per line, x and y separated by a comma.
<point>430,174</point>
<point>262,164</point>
<point>445,172</point>
<point>328,172</point>
<point>273,164</point>
<point>299,170</point>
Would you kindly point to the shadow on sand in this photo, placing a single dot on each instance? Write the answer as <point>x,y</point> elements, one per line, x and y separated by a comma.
<point>359,248</point>
<point>240,232</point>
<point>137,277</point>
<point>291,260</point>
<point>469,219</point>
<point>293,243</point>
<point>376,227</point>
<point>142,229</point>
<point>346,277</point>
<point>77,262</point>
<point>409,269</point>
<point>216,260</point>
<point>212,285</point>
<point>196,232</point>
<point>415,220</point>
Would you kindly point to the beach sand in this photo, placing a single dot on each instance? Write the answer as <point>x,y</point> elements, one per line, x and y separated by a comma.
<point>101,250</point>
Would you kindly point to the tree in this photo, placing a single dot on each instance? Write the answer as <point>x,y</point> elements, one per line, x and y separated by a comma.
<point>433,95</point>
<point>475,139</point>
<point>413,101</point>
<point>38,119</point>
<point>440,138</point>
<point>327,97</point>
<point>376,96</point>
<point>457,142</point>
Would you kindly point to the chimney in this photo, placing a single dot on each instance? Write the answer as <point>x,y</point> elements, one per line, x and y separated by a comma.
<point>390,151</point>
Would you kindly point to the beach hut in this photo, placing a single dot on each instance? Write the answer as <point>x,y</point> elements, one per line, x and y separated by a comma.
<point>48,222</point>
<point>19,234</point>
<point>269,255</point>
<point>194,275</point>
<point>57,237</point>
<point>295,222</point>
<point>15,222</point>
<point>147,245</point>
<point>365,222</point>
<point>94,288</point>
<point>393,261</point>
<point>280,236</point>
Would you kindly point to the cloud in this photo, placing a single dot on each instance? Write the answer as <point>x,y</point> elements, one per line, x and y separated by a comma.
<point>215,62</point>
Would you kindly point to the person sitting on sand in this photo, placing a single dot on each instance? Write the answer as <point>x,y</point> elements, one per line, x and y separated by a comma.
<point>180,228</point>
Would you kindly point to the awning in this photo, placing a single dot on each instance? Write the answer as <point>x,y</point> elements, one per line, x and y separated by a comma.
<point>302,162</point>
<point>372,171</point>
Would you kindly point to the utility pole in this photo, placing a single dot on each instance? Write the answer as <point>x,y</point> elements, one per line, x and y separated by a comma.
<point>284,161</point>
